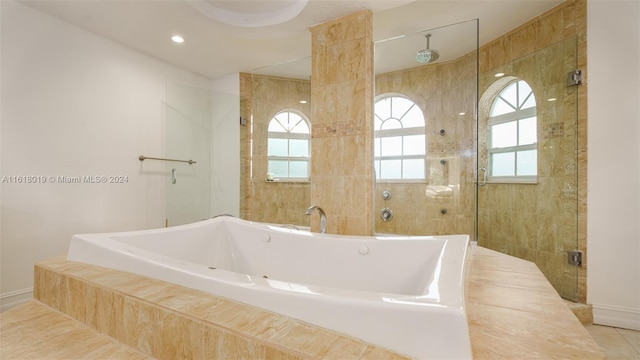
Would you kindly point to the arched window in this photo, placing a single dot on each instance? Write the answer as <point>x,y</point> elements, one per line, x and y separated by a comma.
<point>399,139</point>
<point>288,146</point>
<point>512,136</point>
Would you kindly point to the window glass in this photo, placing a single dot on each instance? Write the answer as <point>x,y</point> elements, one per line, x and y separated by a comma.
<point>413,145</point>
<point>299,169</point>
<point>400,106</point>
<point>513,134</point>
<point>530,102</point>
<point>275,126</point>
<point>391,169</point>
<point>525,95</point>
<point>391,124</point>
<point>298,148</point>
<point>504,135</point>
<point>382,109</point>
<point>413,169</point>
<point>277,147</point>
<point>279,168</point>
<point>527,132</point>
<point>503,164</point>
<point>288,146</point>
<point>400,141</point>
<point>500,107</point>
<point>527,162</point>
<point>510,94</point>
<point>300,127</point>
<point>391,146</point>
<point>413,118</point>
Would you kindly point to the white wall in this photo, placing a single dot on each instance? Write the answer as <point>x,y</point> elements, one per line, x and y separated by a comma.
<point>613,234</point>
<point>75,104</point>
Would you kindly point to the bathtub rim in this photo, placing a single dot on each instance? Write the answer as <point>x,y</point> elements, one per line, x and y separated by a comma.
<point>448,252</point>
<point>454,309</point>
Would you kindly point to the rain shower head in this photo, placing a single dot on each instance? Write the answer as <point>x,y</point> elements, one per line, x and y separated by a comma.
<point>427,55</point>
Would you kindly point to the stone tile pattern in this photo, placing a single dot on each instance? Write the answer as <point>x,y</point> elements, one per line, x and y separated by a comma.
<point>513,313</point>
<point>542,222</point>
<point>341,116</point>
<point>418,206</point>
<point>36,331</point>
<point>618,344</point>
<point>167,321</point>
<point>245,146</point>
<point>534,222</point>
<point>584,312</point>
<point>278,202</point>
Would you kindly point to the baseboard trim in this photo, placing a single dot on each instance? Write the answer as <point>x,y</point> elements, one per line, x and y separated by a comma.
<point>15,298</point>
<point>627,318</point>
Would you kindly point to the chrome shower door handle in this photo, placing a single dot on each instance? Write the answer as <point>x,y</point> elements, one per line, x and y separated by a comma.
<point>482,182</point>
<point>174,175</point>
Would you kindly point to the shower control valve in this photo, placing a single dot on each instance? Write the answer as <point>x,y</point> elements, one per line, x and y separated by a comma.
<point>386,214</point>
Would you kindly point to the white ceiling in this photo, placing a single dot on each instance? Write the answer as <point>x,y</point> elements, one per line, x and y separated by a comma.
<point>214,49</point>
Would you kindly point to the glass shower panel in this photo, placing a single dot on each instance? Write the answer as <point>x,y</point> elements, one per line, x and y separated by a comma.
<point>188,116</point>
<point>536,220</point>
<point>428,172</point>
<point>276,185</point>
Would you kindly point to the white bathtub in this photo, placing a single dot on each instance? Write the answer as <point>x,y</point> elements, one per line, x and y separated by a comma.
<point>405,294</point>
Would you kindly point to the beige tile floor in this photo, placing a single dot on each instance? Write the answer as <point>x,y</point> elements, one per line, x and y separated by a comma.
<point>618,344</point>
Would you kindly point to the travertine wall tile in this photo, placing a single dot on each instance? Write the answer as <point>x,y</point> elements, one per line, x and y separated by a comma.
<point>181,338</point>
<point>245,145</point>
<point>342,102</point>
<point>280,202</point>
<point>340,67</point>
<point>138,325</point>
<point>556,40</point>
<point>418,206</point>
<point>297,335</point>
<point>104,310</point>
<point>344,348</point>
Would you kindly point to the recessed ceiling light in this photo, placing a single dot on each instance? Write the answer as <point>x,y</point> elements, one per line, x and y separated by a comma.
<point>462,113</point>
<point>177,39</point>
<point>499,75</point>
<point>303,101</point>
<point>552,99</point>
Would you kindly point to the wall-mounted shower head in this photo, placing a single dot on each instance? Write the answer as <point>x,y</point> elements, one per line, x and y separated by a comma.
<point>427,55</point>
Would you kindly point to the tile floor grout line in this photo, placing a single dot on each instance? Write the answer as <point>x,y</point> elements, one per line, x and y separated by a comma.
<point>627,340</point>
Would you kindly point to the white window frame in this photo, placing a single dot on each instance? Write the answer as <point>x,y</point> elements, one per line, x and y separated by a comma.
<point>514,116</point>
<point>290,136</point>
<point>402,132</point>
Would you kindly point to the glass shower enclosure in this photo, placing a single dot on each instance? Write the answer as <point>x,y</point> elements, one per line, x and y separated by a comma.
<point>188,116</point>
<point>425,132</point>
<point>535,219</point>
<point>455,187</point>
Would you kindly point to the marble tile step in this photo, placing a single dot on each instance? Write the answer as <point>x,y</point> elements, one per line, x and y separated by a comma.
<point>584,312</point>
<point>36,331</point>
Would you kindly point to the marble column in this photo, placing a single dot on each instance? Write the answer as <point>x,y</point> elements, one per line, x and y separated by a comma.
<point>342,128</point>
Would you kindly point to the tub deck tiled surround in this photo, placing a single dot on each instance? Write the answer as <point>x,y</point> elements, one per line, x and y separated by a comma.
<point>514,313</point>
<point>84,311</point>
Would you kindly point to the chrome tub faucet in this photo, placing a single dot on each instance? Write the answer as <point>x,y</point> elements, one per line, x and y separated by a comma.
<point>323,217</point>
